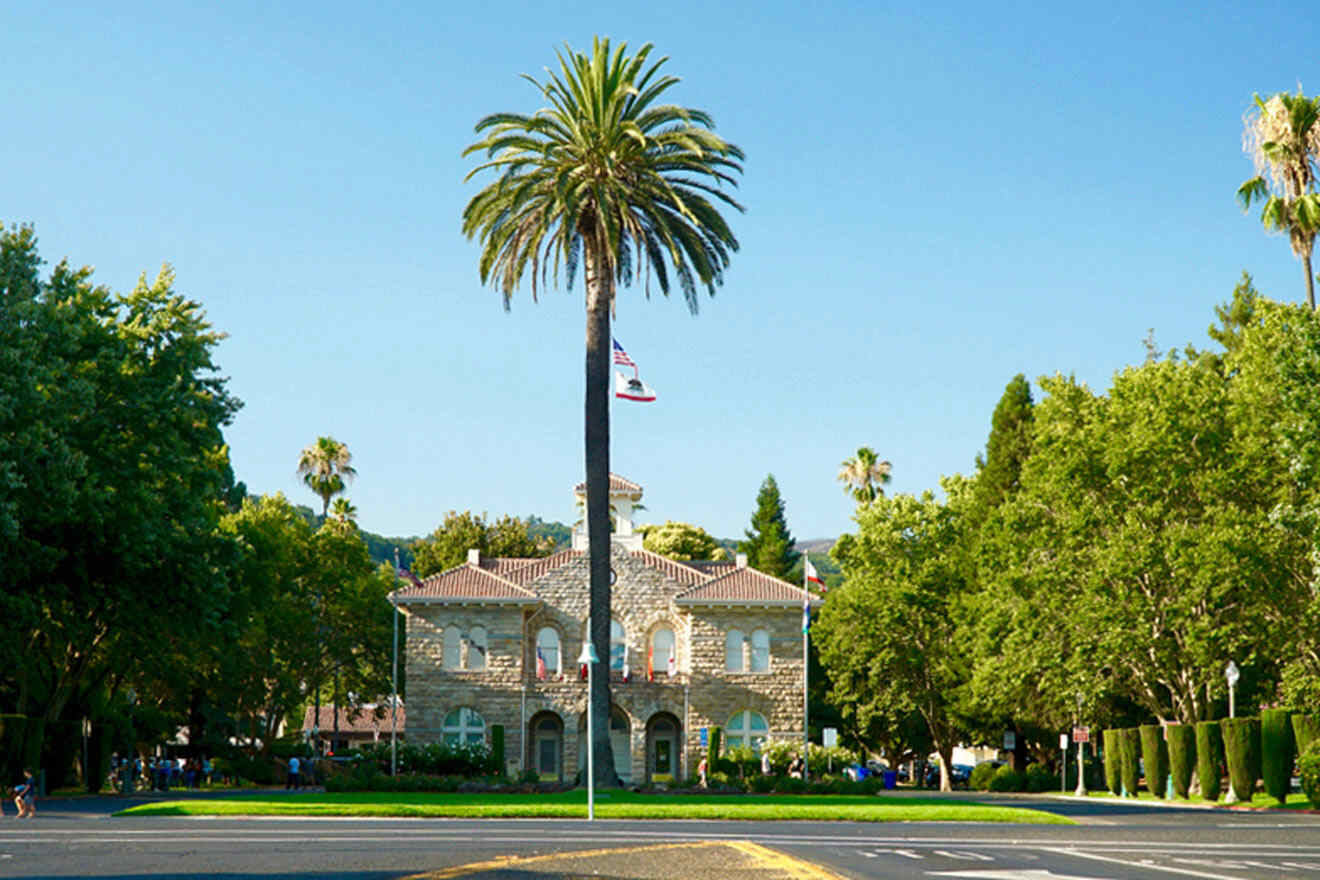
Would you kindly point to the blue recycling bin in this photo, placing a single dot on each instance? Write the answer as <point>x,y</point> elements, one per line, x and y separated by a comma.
<point>890,778</point>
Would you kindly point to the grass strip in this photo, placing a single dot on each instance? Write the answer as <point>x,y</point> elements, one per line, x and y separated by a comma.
<point>612,805</point>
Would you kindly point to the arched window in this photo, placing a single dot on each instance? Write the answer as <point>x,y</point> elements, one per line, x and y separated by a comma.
<point>663,656</point>
<point>747,728</point>
<point>547,646</point>
<point>618,638</point>
<point>733,651</point>
<point>453,657</point>
<point>464,726</point>
<point>476,655</point>
<point>760,651</point>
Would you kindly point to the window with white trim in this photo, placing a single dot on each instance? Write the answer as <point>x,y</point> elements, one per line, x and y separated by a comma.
<point>547,643</point>
<point>747,728</point>
<point>476,653</point>
<point>463,725</point>
<point>760,651</point>
<point>733,651</point>
<point>453,653</point>
<point>663,650</point>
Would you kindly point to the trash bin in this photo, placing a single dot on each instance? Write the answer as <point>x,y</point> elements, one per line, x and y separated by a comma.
<point>890,778</point>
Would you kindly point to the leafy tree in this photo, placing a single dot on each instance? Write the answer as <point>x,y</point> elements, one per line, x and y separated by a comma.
<point>886,637</point>
<point>1282,136</point>
<point>325,466</point>
<point>113,474</point>
<point>769,544</point>
<point>681,541</point>
<point>607,176</point>
<point>864,476</point>
<point>449,544</point>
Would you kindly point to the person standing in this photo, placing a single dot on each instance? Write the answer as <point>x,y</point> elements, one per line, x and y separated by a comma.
<point>765,763</point>
<point>294,766</point>
<point>701,771</point>
<point>25,796</point>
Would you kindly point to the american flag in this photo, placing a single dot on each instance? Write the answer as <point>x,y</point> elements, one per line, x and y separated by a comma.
<point>541,671</point>
<point>620,356</point>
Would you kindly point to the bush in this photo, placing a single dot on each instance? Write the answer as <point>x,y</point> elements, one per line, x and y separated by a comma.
<point>1306,730</point>
<point>1155,755</point>
<point>1039,778</point>
<point>1276,753</point>
<point>434,759</point>
<point>1182,757</point>
<point>981,776</point>
<point>1008,779</point>
<point>713,748</point>
<point>1308,768</point>
<point>741,761</point>
<point>1242,749</point>
<point>1129,752</point>
<point>1209,758</point>
<point>1113,778</point>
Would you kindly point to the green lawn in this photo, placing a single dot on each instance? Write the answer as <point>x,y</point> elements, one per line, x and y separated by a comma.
<point>609,805</point>
<point>1296,800</point>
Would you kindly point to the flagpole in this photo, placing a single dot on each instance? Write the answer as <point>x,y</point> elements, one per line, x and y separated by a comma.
<point>394,678</point>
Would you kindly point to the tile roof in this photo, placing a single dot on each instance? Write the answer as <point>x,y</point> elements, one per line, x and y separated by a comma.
<point>618,485</point>
<point>534,568</point>
<point>743,586</point>
<point>682,572</point>
<point>352,719</point>
<point>466,583</point>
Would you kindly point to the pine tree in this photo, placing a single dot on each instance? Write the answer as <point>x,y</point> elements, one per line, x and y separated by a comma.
<point>769,545</point>
<point>1007,449</point>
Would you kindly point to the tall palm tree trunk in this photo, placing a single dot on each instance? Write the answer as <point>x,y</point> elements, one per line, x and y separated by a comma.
<point>1310,281</point>
<point>599,283</point>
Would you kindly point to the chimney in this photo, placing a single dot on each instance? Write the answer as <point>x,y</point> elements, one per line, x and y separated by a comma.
<point>474,557</point>
<point>740,561</point>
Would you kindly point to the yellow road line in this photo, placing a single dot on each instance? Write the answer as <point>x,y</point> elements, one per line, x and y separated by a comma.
<point>509,861</point>
<point>792,867</point>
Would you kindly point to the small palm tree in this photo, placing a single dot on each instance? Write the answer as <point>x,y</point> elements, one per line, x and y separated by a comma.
<point>325,466</point>
<point>608,176</point>
<point>863,475</point>
<point>344,513</point>
<point>1282,136</point>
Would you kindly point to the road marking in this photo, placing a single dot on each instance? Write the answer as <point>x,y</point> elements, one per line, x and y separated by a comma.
<point>793,867</point>
<point>1131,864</point>
<point>1010,874</point>
<point>964,856</point>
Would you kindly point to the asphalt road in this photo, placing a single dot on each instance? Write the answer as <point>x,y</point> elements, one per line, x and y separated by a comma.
<point>78,838</point>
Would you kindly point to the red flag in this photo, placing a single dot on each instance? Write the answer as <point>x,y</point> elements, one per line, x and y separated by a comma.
<point>541,671</point>
<point>584,672</point>
<point>650,668</point>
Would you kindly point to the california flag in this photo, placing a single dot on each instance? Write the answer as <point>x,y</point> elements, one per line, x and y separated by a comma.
<point>632,389</point>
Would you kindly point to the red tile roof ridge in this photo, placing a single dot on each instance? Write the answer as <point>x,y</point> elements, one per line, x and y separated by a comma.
<point>432,586</point>
<point>679,571</point>
<point>539,566</point>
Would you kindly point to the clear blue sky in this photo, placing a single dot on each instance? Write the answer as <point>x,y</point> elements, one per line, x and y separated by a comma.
<point>939,196</point>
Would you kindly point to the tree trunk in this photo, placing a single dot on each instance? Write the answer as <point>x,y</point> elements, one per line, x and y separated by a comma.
<point>1310,281</point>
<point>599,285</point>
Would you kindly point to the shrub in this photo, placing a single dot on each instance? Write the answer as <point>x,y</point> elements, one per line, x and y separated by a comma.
<point>1008,779</point>
<point>1039,778</point>
<point>1276,753</point>
<point>1182,757</point>
<point>1308,768</point>
<point>1306,730</point>
<point>1209,758</point>
<point>1113,779</point>
<point>1129,752</point>
<point>1155,755</point>
<point>1242,749</point>
<point>759,784</point>
<point>497,747</point>
<point>981,776</point>
<point>741,761</point>
<point>713,747</point>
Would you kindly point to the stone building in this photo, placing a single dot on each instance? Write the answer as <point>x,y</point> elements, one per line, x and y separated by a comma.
<point>693,645</point>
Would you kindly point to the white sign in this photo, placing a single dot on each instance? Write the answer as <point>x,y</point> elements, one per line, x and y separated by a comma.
<point>1231,673</point>
<point>830,737</point>
<point>1063,741</point>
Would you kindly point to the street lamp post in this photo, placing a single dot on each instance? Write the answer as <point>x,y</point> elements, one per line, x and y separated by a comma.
<point>1231,675</point>
<point>589,658</point>
<point>1081,752</point>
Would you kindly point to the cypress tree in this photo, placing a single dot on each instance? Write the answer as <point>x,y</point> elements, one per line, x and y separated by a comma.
<point>1209,758</point>
<point>1242,748</point>
<point>1276,753</point>
<point>1182,755</point>
<point>1129,751</point>
<point>1007,448</point>
<point>1306,729</point>
<point>769,545</point>
<point>1155,755</point>
<point>1113,775</point>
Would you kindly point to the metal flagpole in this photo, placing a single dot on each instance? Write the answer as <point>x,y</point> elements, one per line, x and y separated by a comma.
<point>394,680</point>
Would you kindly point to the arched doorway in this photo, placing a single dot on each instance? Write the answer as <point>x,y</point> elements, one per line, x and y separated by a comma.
<point>620,743</point>
<point>664,760</point>
<point>545,736</point>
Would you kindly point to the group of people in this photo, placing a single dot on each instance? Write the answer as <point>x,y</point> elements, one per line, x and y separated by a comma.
<point>161,772</point>
<point>795,768</point>
<point>25,796</point>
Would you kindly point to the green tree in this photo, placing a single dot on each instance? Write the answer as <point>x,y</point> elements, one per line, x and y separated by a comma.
<point>681,541</point>
<point>1008,447</point>
<point>864,476</point>
<point>769,544</point>
<point>886,637</point>
<point>325,467</point>
<point>1282,137</point>
<point>448,545</point>
<point>607,175</point>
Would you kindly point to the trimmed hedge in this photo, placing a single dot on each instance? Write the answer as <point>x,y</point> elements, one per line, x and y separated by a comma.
<point>1039,778</point>
<point>1155,755</point>
<point>1182,757</point>
<point>1113,780</point>
<point>1306,730</point>
<point>1277,753</point>
<point>1008,779</point>
<point>1209,758</point>
<point>1242,749</point>
<point>1129,750</point>
<point>1308,768</point>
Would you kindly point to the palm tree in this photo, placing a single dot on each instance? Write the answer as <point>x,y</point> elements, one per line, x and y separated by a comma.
<point>863,475</point>
<point>1282,136</point>
<point>606,176</point>
<point>345,513</point>
<point>325,466</point>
